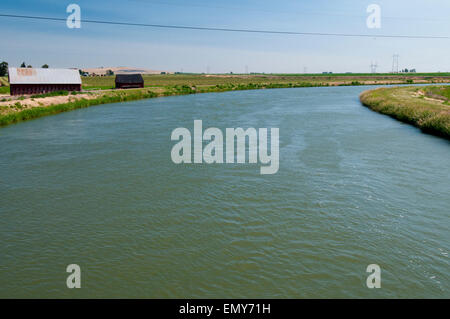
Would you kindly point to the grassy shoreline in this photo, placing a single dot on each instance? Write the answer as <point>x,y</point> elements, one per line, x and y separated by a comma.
<point>16,114</point>
<point>17,110</point>
<point>35,112</point>
<point>427,108</point>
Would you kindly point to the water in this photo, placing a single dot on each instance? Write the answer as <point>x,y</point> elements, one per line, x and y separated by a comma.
<point>97,187</point>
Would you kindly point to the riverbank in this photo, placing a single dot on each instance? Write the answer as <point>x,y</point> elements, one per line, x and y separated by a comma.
<point>29,108</point>
<point>427,108</point>
<point>98,90</point>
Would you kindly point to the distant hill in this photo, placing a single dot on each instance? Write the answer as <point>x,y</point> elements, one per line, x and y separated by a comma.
<point>122,70</point>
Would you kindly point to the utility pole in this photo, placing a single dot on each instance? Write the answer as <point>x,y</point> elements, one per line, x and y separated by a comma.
<point>395,63</point>
<point>373,67</point>
<point>246,69</point>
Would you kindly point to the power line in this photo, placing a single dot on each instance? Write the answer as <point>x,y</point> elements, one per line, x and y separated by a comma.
<point>165,26</point>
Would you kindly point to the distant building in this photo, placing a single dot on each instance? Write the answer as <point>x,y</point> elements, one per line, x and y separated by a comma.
<point>33,81</point>
<point>128,81</point>
<point>83,73</point>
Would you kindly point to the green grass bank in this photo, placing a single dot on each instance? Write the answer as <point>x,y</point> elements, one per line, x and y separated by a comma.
<point>20,111</point>
<point>427,108</point>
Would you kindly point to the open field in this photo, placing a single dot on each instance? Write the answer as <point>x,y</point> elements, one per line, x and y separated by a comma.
<point>4,81</point>
<point>107,82</point>
<point>4,85</point>
<point>427,108</point>
<point>4,90</point>
<point>438,92</point>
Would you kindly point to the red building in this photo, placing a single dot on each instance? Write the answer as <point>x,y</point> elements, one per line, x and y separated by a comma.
<point>36,81</point>
<point>128,81</point>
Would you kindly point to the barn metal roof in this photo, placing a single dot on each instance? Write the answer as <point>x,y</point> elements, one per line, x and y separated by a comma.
<point>43,76</point>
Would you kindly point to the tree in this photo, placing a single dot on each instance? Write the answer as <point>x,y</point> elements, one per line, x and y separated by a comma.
<point>29,66</point>
<point>109,72</point>
<point>45,66</point>
<point>3,68</point>
<point>23,65</point>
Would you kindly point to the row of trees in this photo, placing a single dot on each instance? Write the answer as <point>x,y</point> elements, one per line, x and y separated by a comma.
<point>24,65</point>
<point>408,71</point>
<point>4,67</point>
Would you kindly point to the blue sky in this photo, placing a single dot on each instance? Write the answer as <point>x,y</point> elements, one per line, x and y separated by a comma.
<point>39,42</point>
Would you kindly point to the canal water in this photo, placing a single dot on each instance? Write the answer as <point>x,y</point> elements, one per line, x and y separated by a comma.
<point>97,187</point>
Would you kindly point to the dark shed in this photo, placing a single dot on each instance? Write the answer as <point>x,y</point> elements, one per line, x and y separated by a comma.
<point>126,81</point>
